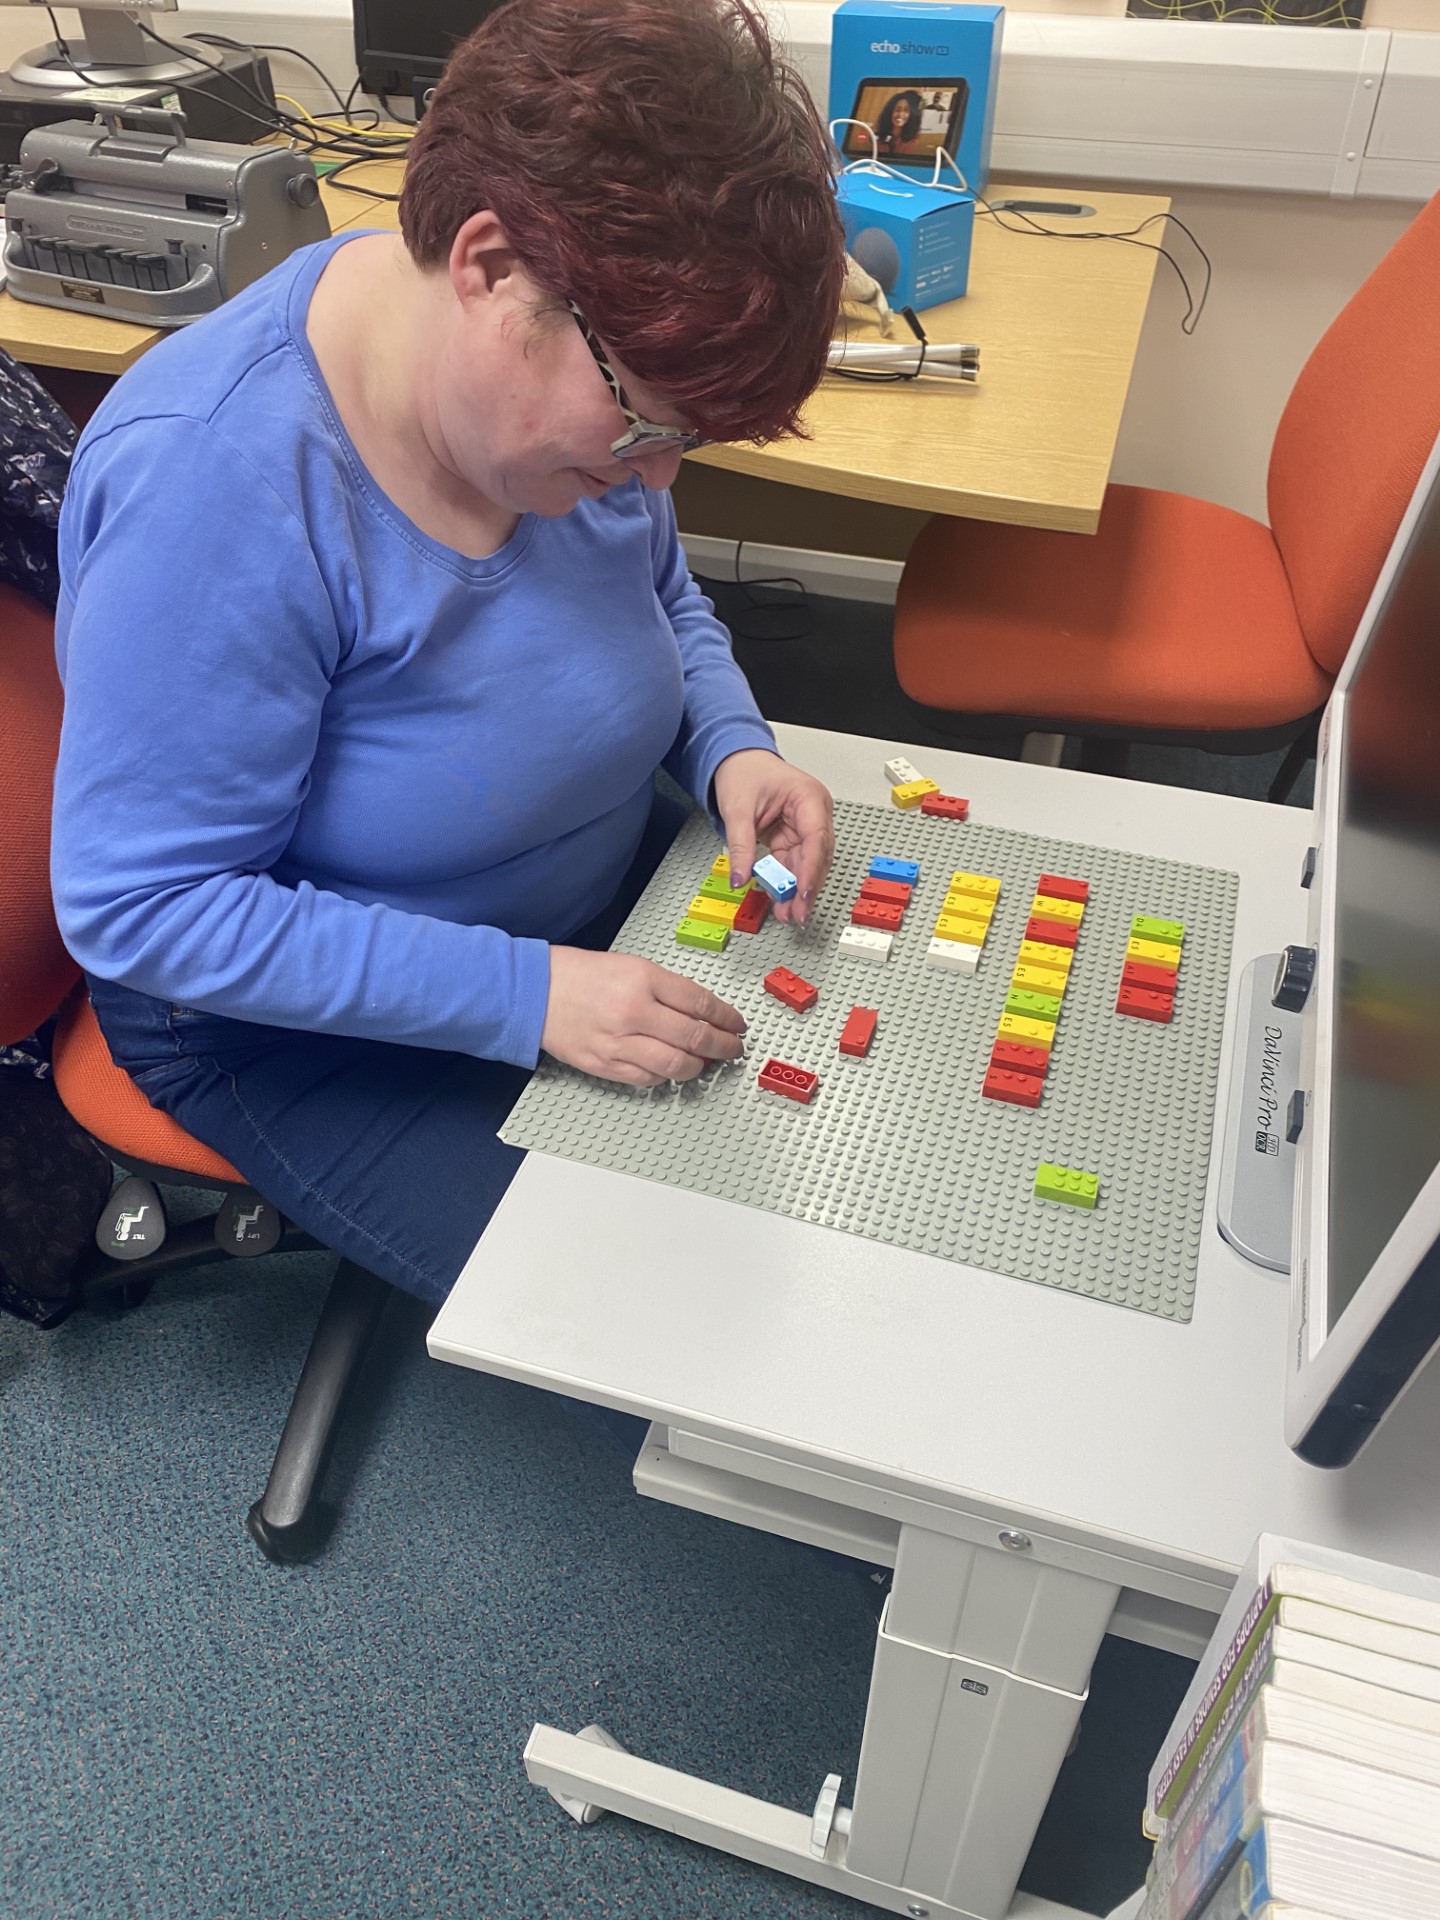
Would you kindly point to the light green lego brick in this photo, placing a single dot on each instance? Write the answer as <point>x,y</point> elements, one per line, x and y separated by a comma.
<point>1033,1006</point>
<point>1066,1184</point>
<point>1170,932</point>
<point>702,933</point>
<point>714,888</point>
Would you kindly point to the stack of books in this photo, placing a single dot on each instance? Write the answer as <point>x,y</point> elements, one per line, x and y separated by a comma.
<point>1300,1779</point>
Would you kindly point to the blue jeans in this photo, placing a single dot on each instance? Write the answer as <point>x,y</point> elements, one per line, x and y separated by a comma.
<point>386,1154</point>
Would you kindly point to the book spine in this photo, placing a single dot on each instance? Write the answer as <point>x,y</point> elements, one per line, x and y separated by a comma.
<point>1245,1888</point>
<point>1184,1836</point>
<point>1248,1684</point>
<point>1219,1831</point>
<point>1181,1766</point>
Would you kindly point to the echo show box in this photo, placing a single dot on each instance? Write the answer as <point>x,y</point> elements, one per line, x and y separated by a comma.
<point>923,74</point>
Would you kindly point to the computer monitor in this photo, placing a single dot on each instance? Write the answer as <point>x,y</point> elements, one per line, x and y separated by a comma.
<point>401,42</point>
<point>1365,1266</point>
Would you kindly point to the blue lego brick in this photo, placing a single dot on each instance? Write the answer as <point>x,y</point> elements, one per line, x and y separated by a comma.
<point>884,869</point>
<point>777,880</point>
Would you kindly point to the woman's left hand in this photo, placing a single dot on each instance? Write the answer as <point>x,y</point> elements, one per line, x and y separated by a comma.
<point>760,796</point>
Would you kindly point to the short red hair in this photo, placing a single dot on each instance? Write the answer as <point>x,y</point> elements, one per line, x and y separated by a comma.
<point>656,162</point>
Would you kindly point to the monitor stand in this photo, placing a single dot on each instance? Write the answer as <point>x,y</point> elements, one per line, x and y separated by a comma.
<point>1257,1160</point>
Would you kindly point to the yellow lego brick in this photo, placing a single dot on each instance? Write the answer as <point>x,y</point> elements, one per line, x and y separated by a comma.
<point>983,885</point>
<point>1039,953</point>
<point>969,906</point>
<point>1155,953</point>
<point>722,912</point>
<point>953,926</point>
<point>1031,1033</point>
<point>1038,979</point>
<point>912,792</point>
<point>1046,907</point>
<point>720,866</point>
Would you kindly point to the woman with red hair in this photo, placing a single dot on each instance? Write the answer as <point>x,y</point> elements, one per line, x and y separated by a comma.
<point>388,543</point>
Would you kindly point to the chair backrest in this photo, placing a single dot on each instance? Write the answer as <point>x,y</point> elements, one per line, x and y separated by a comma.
<point>35,970</point>
<point>1354,435</point>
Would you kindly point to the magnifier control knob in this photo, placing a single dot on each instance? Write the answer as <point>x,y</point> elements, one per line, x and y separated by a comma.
<point>1294,977</point>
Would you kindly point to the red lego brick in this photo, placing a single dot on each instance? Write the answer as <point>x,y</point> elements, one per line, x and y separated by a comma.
<point>1054,933</point>
<point>1137,973</point>
<point>1145,1005</point>
<point>882,915</point>
<point>895,893</point>
<point>858,1031</point>
<point>790,988</point>
<point>1019,1089</point>
<point>778,1076</point>
<point>750,914</point>
<point>945,806</point>
<point>1059,888</point>
<point>1013,1056</point>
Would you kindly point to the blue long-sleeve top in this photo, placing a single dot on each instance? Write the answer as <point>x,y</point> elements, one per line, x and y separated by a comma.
<point>318,770</point>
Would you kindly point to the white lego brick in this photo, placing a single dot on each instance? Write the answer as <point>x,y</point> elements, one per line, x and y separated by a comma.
<point>900,772</point>
<point>866,943</point>
<point>954,955</point>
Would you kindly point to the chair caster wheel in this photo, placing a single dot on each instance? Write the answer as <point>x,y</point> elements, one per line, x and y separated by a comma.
<point>124,1298</point>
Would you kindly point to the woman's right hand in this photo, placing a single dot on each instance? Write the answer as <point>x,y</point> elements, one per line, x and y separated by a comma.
<point>622,1018</point>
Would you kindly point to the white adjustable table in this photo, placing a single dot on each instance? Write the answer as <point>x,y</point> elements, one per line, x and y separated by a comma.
<point>1040,1468</point>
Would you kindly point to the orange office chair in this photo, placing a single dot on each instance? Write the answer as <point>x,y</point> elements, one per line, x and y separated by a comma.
<point>1180,622</point>
<point>37,977</point>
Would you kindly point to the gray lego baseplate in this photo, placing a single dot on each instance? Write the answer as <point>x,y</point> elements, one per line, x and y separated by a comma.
<point>901,1146</point>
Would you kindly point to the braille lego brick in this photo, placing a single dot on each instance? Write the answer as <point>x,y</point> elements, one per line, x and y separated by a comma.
<point>983,885</point>
<point>945,806</point>
<point>702,933</point>
<point>1038,979</point>
<point>1039,953</point>
<point>1139,973</point>
<point>790,988</point>
<point>1143,1004</point>
<point>956,956</point>
<point>752,911</point>
<point>720,866</point>
<point>898,772</point>
<point>864,943</point>
<point>1066,1184</point>
<point>883,915</point>
<point>776,879</point>
<point>1046,907</point>
<point>1154,953</point>
<point>1051,933</point>
<point>713,887</point>
<point>1016,1089</point>
<point>1145,927</point>
<point>1058,887</point>
<point>1033,1033</point>
<point>721,912</point>
<point>910,795</point>
<point>1033,1006</point>
<point>858,1031</point>
<point>778,1076</point>
<point>969,906</point>
<point>882,867</point>
<point>895,892</point>
<point>954,926</point>
<point>1015,1057</point>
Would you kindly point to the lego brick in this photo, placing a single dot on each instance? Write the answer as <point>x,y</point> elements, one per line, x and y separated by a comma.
<point>1039,953</point>
<point>1139,973</point>
<point>702,933</point>
<point>858,1031</point>
<point>713,887</point>
<point>1033,1006</point>
<point>883,915</point>
<point>952,926</point>
<point>1015,1057</point>
<point>1039,979</point>
<point>777,880</point>
<point>1050,933</point>
<point>1033,1033</point>
<point>1046,907</point>
<point>984,885</point>
<point>790,988</point>
<point>910,795</point>
<point>969,906</point>
<point>721,912</point>
<point>752,912</point>
<point>778,1076</point>
<point>1154,953</point>
<point>864,943</point>
<point>956,956</point>
<point>1066,1184</point>
<point>898,772</point>
<point>945,806</point>
<point>884,868</point>
<point>1016,1089</point>
<point>1057,887</point>
<point>1143,1004</point>
<point>895,892</point>
<point>1170,933</point>
<point>720,866</point>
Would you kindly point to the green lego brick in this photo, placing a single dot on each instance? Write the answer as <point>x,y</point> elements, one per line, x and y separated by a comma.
<point>1066,1184</point>
<point>1033,1006</point>
<point>702,933</point>
<point>1170,932</point>
<point>714,888</point>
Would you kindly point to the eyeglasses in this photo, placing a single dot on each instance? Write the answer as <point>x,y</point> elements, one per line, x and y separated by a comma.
<point>643,436</point>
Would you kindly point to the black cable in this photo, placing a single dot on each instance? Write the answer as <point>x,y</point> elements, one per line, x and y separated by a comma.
<point>332,177</point>
<point>390,112</point>
<point>1193,307</point>
<point>270,46</point>
<point>752,626</point>
<point>62,47</point>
